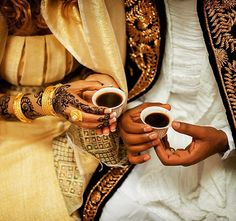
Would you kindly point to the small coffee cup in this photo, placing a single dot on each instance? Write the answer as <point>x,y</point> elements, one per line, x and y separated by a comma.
<point>158,118</point>
<point>110,97</point>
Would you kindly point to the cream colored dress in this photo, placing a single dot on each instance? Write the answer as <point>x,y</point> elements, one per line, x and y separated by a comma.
<point>29,188</point>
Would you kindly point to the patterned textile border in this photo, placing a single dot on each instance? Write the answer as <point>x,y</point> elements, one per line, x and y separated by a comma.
<point>218,21</point>
<point>109,180</point>
<point>145,31</point>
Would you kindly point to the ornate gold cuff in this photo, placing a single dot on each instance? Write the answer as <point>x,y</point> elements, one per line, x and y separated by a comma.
<point>17,109</point>
<point>47,97</point>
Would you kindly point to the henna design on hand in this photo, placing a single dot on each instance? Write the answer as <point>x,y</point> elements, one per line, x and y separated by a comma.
<point>28,108</point>
<point>62,99</point>
<point>103,124</point>
<point>106,117</point>
<point>88,109</point>
<point>4,100</point>
<point>39,96</point>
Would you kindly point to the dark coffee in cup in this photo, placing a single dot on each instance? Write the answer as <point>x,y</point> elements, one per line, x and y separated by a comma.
<point>109,99</point>
<point>157,120</point>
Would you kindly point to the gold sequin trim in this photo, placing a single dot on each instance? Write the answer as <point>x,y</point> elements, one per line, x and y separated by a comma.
<point>221,24</point>
<point>101,190</point>
<point>143,29</point>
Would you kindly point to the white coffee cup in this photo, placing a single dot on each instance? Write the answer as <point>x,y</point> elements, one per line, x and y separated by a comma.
<point>158,118</point>
<point>118,108</point>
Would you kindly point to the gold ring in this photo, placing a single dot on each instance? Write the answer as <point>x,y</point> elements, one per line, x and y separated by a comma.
<point>76,115</point>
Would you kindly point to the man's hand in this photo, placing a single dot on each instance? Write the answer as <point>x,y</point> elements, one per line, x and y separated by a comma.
<point>137,136</point>
<point>206,141</point>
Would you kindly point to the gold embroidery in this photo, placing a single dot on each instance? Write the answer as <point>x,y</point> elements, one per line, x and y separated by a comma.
<point>221,57</point>
<point>143,29</point>
<point>221,24</point>
<point>101,190</point>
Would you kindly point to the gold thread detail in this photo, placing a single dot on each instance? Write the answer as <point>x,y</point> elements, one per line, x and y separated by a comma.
<point>101,190</point>
<point>221,26</point>
<point>143,30</point>
<point>18,110</point>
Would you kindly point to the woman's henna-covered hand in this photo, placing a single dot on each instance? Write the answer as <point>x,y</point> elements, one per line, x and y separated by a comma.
<point>67,98</point>
<point>107,81</point>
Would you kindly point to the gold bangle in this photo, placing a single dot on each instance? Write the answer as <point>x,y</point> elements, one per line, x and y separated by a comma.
<point>17,109</point>
<point>47,97</point>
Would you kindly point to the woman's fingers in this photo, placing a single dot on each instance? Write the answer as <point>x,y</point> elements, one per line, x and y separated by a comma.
<point>94,126</point>
<point>107,130</point>
<point>87,96</point>
<point>82,85</point>
<point>64,99</point>
<point>89,121</point>
<point>113,126</point>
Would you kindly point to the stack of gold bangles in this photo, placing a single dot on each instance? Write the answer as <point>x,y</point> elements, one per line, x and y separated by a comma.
<point>47,106</point>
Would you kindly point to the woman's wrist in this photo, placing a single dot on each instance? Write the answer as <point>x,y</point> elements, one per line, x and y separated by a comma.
<point>20,106</point>
<point>32,106</point>
<point>6,107</point>
<point>25,107</point>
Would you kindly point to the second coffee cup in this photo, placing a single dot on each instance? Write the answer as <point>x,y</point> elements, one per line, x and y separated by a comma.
<point>158,118</point>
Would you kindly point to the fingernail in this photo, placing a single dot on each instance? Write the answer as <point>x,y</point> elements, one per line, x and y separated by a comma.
<point>113,130</point>
<point>153,136</point>
<point>108,85</point>
<point>146,158</point>
<point>113,120</point>
<point>176,124</point>
<point>147,129</point>
<point>107,111</point>
<point>114,114</point>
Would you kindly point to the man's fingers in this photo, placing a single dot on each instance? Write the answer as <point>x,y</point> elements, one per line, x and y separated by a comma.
<point>137,139</point>
<point>140,148</point>
<point>170,157</point>
<point>190,129</point>
<point>167,155</point>
<point>135,127</point>
<point>137,159</point>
